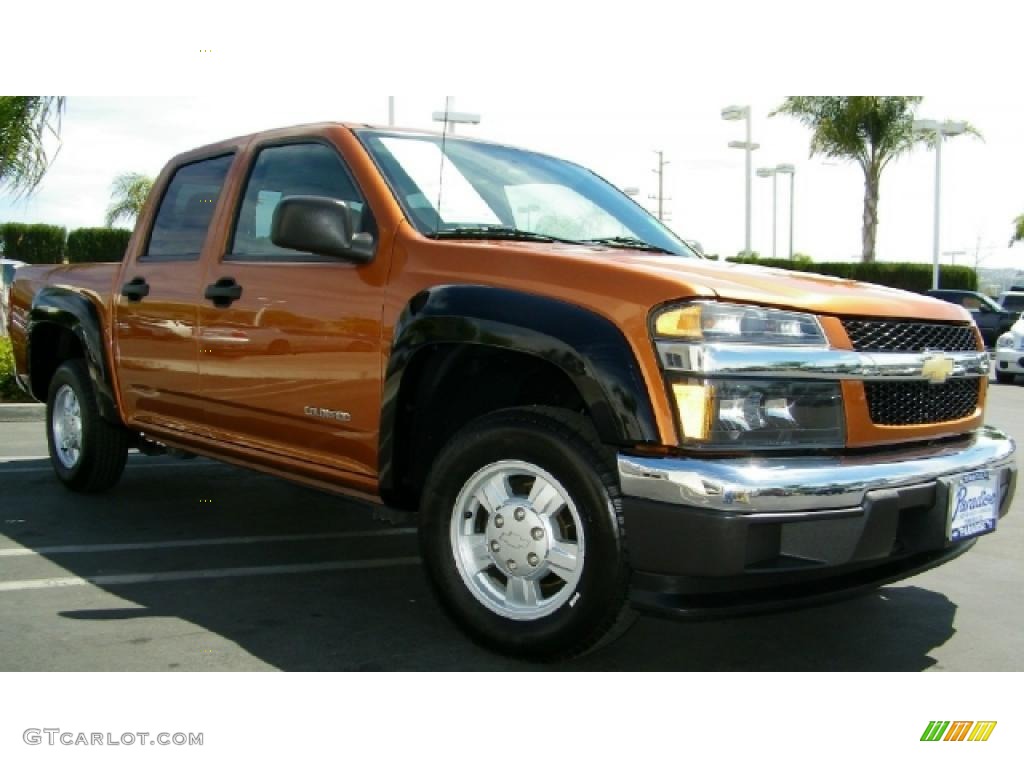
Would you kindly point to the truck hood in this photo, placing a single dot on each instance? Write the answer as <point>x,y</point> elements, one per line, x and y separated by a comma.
<point>750,284</point>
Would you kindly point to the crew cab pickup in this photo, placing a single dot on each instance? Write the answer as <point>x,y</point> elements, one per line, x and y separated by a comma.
<point>579,411</point>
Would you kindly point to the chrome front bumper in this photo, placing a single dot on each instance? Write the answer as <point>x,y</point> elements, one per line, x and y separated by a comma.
<point>771,485</point>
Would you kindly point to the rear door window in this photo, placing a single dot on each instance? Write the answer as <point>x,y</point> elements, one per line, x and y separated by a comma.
<point>186,210</point>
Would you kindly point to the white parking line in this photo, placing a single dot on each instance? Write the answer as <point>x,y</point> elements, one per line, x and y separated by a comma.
<point>71,549</point>
<point>214,573</point>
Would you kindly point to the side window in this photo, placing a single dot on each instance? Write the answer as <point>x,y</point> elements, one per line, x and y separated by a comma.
<point>186,209</point>
<point>291,169</point>
<point>971,303</point>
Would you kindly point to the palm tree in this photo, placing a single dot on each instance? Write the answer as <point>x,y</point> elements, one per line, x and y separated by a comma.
<point>871,130</point>
<point>25,122</point>
<point>128,194</point>
<point>1018,230</point>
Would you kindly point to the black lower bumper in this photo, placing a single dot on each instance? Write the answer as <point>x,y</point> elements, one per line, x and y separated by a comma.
<point>690,562</point>
<point>678,598</point>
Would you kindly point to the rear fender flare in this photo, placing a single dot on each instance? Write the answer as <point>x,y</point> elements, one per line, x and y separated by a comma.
<point>77,314</point>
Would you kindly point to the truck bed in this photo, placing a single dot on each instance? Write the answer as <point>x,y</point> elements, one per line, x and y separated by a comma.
<point>94,281</point>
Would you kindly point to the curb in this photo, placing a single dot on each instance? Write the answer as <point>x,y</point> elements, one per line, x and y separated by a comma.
<point>22,412</point>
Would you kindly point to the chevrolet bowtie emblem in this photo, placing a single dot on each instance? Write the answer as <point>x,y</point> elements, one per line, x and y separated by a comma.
<point>937,368</point>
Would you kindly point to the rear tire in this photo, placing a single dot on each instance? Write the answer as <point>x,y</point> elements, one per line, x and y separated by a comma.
<point>1005,378</point>
<point>87,453</point>
<point>521,533</point>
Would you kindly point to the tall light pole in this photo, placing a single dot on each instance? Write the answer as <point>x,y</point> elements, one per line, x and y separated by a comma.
<point>773,173</point>
<point>765,173</point>
<point>660,170</point>
<point>735,112</point>
<point>952,256</point>
<point>791,170</point>
<point>936,132</point>
<point>452,118</point>
<point>391,111</point>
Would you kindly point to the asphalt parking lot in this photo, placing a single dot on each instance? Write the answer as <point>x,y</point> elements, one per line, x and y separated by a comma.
<point>194,565</point>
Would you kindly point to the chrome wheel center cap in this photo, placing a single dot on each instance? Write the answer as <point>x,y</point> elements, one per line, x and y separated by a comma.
<point>518,539</point>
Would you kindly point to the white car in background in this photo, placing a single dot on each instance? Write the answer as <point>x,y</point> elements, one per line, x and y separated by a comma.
<point>1009,355</point>
<point>7,268</point>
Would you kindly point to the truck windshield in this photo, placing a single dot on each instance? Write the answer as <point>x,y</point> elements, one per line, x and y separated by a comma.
<point>468,189</point>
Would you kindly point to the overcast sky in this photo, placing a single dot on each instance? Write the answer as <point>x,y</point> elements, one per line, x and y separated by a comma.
<point>981,186</point>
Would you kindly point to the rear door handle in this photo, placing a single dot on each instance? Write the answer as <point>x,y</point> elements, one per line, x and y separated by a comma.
<point>135,289</point>
<point>224,292</point>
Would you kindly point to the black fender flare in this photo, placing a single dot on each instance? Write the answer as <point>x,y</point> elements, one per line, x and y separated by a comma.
<point>589,348</point>
<point>75,313</point>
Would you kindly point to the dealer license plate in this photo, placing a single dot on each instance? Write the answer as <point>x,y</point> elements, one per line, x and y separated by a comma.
<point>973,504</point>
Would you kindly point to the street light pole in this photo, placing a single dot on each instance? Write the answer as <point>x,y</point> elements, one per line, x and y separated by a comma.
<point>791,170</point>
<point>952,256</point>
<point>451,118</point>
<point>735,112</point>
<point>747,177</point>
<point>936,216</point>
<point>792,207</point>
<point>937,131</point>
<point>765,173</point>
<point>660,170</point>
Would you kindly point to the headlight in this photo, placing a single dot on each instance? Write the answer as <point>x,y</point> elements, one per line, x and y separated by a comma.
<point>737,324</point>
<point>743,414</point>
<point>1006,340</point>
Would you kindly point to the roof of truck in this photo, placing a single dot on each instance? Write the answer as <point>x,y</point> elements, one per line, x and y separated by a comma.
<point>238,141</point>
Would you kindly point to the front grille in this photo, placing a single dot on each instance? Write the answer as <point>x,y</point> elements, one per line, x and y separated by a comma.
<point>897,403</point>
<point>903,336</point>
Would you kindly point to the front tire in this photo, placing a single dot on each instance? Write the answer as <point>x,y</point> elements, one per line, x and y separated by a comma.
<point>521,532</point>
<point>87,453</point>
<point>1005,378</point>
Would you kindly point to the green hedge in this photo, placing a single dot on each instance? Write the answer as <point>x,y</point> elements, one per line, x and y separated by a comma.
<point>8,389</point>
<point>93,244</point>
<point>33,243</point>
<point>905,275</point>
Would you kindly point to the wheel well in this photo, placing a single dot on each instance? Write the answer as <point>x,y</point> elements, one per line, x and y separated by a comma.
<point>448,385</point>
<point>50,345</point>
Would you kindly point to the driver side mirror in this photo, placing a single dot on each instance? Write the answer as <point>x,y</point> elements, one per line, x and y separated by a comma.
<point>320,225</point>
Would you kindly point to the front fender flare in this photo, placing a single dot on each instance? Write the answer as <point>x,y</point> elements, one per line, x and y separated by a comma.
<point>589,348</point>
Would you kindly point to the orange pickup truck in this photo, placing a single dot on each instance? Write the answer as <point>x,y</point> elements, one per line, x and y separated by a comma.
<point>580,412</point>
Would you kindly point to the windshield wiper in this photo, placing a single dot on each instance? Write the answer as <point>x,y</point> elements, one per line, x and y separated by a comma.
<point>628,242</point>
<point>488,232</point>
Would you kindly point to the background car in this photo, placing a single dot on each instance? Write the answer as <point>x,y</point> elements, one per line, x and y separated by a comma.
<point>1012,300</point>
<point>1009,354</point>
<point>992,319</point>
<point>7,267</point>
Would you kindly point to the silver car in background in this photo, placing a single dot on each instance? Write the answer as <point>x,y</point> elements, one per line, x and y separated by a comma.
<point>1009,354</point>
<point>7,269</point>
